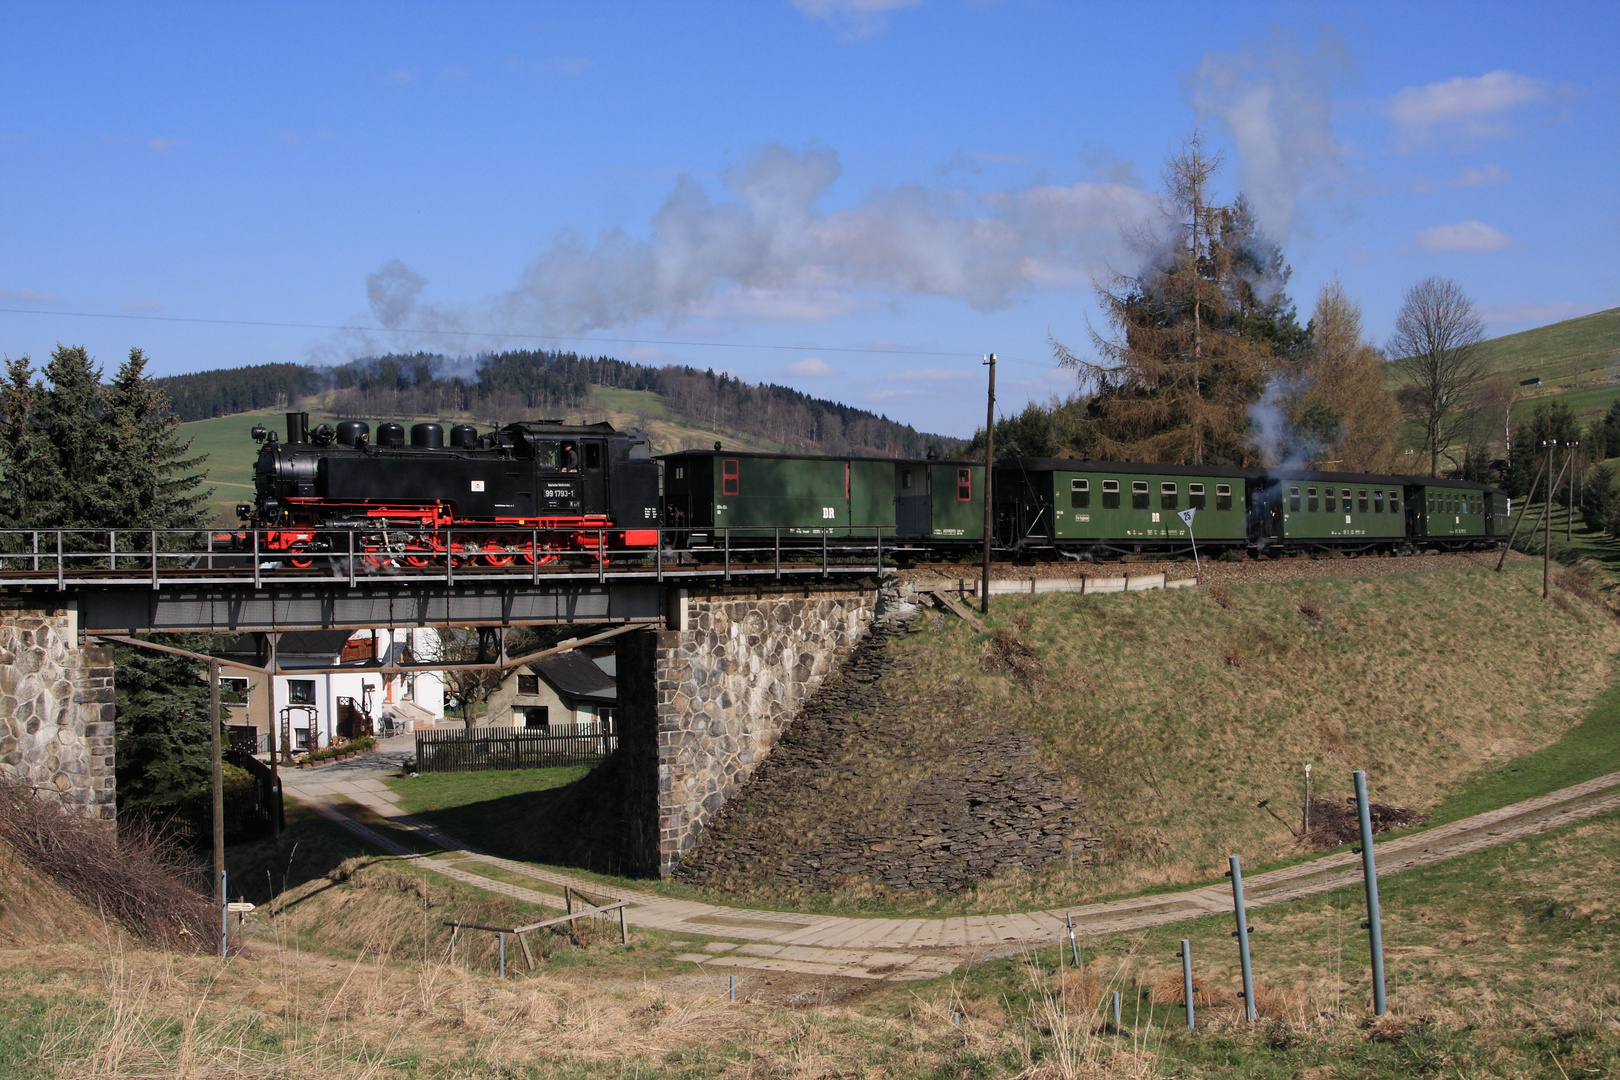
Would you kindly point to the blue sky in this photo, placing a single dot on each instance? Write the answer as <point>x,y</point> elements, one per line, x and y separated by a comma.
<point>777,186</point>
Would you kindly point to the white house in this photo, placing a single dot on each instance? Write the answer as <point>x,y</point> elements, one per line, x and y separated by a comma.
<point>309,711</point>
<point>579,686</point>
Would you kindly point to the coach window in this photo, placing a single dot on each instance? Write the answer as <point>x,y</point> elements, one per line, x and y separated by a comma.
<point>1361,500</point>
<point>964,485</point>
<point>1167,497</point>
<point>730,477</point>
<point>1378,502</point>
<point>1110,494</point>
<point>1293,499</point>
<point>1195,496</point>
<point>1223,496</point>
<point>1431,502</point>
<point>1394,502</point>
<point>1310,500</point>
<point>1139,494</point>
<point>1079,494</point>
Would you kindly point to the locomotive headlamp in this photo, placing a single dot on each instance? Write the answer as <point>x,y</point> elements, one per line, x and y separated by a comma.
<point>259,432</point>
<point>244,510</point>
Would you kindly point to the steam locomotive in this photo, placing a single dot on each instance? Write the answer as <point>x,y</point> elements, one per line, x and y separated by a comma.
<point>413,502</point>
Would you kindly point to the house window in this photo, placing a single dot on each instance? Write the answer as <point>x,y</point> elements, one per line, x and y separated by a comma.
<point>233,691</point>
<point>1110,494</point>
<point>1195,496</point>
<point>964,485</point>
<point>604,716</point>
<point>1223,496</point>
<point>1139,494</point>
<point>301,691</point>
<point>1293,499</point>
<point>730,477</point>
<point>1310,500</point>
<point>1079,493</point>
<point>537,716</point>
<point>1167,497</point>
<point>528,684</point>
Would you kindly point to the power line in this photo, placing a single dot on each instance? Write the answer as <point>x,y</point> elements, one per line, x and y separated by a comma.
<point>503,336</point>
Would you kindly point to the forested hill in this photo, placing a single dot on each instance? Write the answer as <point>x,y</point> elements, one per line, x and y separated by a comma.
<point>512,385</point>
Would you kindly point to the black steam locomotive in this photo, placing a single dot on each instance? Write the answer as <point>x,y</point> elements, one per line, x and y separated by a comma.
<point>414,502</point>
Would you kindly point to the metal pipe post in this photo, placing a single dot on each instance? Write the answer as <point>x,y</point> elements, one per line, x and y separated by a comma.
<point>1242,913</point>
<point>502,938</point>
<point>1186,978</point>
<point>1117,1024</point>
<point>1369,871</point>
<point>989,467</point>
<point>1074,946</point>
<point>733,988</point>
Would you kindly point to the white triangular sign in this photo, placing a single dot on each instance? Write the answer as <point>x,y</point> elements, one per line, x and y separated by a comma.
<point>1187,515</point>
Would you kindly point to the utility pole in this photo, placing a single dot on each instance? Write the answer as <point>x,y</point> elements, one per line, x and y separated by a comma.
<point>218,785</point>
<point>1569,521</point>
<point>989,469</point>
<point>1546,535</point>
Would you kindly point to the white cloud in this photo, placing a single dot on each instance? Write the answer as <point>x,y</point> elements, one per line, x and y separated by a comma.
<point>163,145</point>
<point>1535,314</point>
<point>854,18</point>
<point>142,305</point>
<point>1466,108</point>
<point>811,367</point>
<point>936,374</point>
<point>1275,101</point>
<point>24,296</point>
<point>781,305</point>
<point>1465,236</point>
<point>769,244</point>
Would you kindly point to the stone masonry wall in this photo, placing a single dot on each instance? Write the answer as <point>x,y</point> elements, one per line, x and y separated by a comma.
<point>726,687</point>
<point>56,710</point>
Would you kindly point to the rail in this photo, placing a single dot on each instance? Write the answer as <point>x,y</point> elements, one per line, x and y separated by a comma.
<point>58,558</point>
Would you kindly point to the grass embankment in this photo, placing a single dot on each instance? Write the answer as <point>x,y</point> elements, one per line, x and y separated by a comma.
<point>1502,963</point>
<point>1173,714</point>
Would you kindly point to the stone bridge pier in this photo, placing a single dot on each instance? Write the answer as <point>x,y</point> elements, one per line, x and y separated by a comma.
<point>702,703</point>
<point>56,708</point>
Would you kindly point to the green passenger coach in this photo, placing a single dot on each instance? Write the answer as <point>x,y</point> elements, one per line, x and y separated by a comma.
<point>710,494</point>
<point>1455,514</point>
<point>1303,510</point>
<point>1084,509</point>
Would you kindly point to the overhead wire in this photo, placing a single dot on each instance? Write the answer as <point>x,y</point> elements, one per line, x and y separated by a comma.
<point>583,338</point>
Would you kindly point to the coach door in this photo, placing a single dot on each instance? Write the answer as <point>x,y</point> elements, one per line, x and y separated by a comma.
<point>593,475</point>
<point>911,500</point>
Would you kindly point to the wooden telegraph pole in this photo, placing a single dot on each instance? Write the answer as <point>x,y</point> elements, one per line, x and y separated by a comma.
<point>218,793</point>
<point>989,463</point>
<point>1546,533</point>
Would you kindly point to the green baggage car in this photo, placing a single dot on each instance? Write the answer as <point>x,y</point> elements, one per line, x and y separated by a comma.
<point>752,497</point>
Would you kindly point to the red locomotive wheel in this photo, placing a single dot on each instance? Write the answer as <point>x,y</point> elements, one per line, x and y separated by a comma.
<point>497,553</point>
<point>301,562</point>
<point>418,560</point>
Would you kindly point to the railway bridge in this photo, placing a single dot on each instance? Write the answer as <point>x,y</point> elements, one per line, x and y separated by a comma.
<point>718,648</point>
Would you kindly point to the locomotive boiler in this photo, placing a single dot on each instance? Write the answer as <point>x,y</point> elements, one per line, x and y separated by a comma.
<point>531,491</point>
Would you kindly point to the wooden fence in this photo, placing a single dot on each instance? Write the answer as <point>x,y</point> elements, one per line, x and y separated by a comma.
<point>460,750</point>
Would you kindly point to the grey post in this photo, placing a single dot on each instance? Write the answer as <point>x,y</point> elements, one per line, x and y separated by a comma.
<point>502,938</point>
<point>1074,946</point>
<point>1242,935</point>
<point>1186,978</point>
<point>1369,871</point>
<point>733,988</point>
<point>1116,1009</point>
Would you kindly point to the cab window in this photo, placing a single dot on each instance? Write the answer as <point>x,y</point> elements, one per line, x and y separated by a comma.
<point>1110,494</point>
<point>1293,499</point>
<point>1311,500</point>
<point>1223,496</point>
<point>1195,496</point>
<point>1139,494</point>
<point>593,455</point>
<point>1079,494</point>
<point>1167,497</point>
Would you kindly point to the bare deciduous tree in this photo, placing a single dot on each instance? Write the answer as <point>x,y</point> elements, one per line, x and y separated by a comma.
<point>1346,374</point>
<point>1437,355</point>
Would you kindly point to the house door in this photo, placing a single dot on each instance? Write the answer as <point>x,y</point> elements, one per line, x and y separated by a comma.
<point>912,508</point>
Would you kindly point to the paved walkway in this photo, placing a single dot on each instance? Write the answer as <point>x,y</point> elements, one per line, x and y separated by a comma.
<point>895,948</point>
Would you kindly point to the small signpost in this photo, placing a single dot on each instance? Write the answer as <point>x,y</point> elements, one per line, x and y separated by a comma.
<point>1187,516</point>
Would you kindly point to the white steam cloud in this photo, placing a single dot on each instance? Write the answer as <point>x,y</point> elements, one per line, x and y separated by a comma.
<point>1275,101</point>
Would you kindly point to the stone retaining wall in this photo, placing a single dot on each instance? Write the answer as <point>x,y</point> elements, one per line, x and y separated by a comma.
<point>56,710</point>
<point>722,690</point>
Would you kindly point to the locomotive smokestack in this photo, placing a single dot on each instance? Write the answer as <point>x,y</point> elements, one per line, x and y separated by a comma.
<point>298,427</point>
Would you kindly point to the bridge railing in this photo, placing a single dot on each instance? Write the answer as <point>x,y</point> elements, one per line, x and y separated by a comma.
<point>157,556</point>
<point>479,748</point>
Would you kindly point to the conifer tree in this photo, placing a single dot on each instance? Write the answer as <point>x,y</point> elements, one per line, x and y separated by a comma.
<point>153,484</point>
<point>30,482</point>
<point>70,413</point>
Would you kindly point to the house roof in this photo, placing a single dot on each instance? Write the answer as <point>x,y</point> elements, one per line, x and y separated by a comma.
<point>576,676</point>
<point>306,646</point>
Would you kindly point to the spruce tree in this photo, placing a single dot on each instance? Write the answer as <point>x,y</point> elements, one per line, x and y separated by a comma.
<point>70,413</point>
<point>162,740</point>
<point>30,481</point>
<point>153,484</point>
